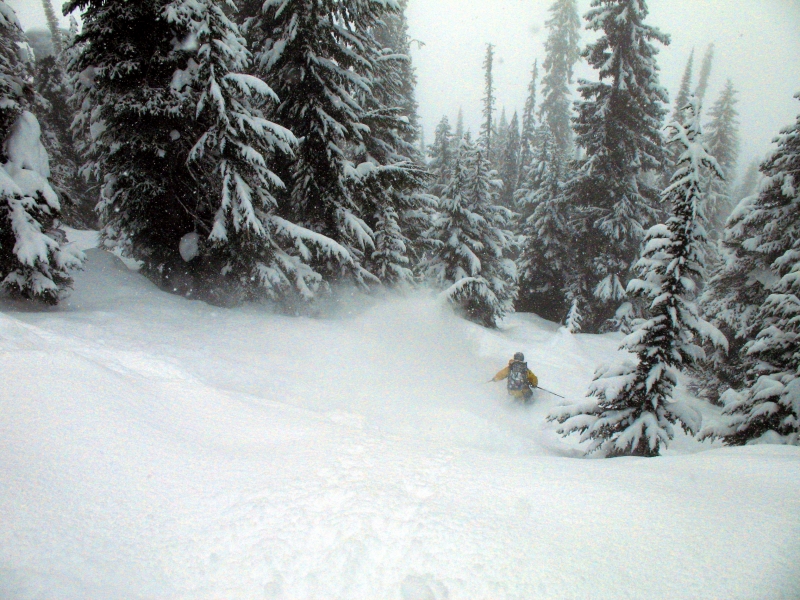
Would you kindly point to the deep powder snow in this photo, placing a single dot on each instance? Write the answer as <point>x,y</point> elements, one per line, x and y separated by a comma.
<point>158,447</point>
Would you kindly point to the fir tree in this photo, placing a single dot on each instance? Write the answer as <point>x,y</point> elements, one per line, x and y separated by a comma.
<point>509,163</point>
<point>244,246</point>
<point>133,129</point>
<point>499,140</point>
<point>562,53</point>
<point>682,99</point>
<point>459,133</point>
<point>528,125</point>
<point>705,73</point>
<point>485,137</point>
<point>618,126</point>
<point>749,183</point>
<point>472,242</point>
<point>730,302</point>
<point>723,143</point>
<point>546,232</point>
<point>34,258</point>
<point>55,116</point>
<point>321,57</point>
<point>52,25</point>
<point>632,413</point>
<point>442,155</point>
<point>391,188</point>
<point>392,38</point>
<point>768,409</point>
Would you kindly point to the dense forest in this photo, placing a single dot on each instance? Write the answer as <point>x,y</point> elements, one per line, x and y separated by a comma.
<point>270,151</point>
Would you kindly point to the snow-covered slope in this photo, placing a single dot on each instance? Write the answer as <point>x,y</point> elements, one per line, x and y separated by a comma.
<point>155,447</point>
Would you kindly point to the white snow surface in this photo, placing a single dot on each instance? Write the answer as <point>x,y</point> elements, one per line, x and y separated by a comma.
<point>157,447</point>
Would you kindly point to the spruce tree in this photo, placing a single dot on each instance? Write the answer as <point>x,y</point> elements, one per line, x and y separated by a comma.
<point>618,126</point>
<point>392,182</point>
<point>723,142</point>
<point>768,408</point>
<point>528,125</point>
<point>485,136</point>
<point>730,302</point>
<point>562,53</point>
<point>673,152</point>
<point>631,413</point>
<point>320,57</point>
<point>459,133</point>
<point>34,256</point>
<point>470,261</point>
<point>682,99</point>
<point>242,245</point>
<point>392,38</point>
<point>133,127</point>
<point>546,231</point>
<point>52,25</point>
<point>705,73</point>
<point>442,154</point>
<point>509,163</point>
<point>499,139</point>
<point>749,183</point>
<point>55,116</point>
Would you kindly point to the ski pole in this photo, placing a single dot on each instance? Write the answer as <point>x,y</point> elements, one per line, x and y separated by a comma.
<point>549,392</point>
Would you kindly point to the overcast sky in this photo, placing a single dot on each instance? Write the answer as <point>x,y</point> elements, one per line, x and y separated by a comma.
<point>757,46</point>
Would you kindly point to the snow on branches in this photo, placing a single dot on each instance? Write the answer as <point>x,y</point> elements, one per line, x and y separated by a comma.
<point>631,413</point>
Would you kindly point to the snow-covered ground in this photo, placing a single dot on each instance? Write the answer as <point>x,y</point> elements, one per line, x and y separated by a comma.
<point>157,447</point>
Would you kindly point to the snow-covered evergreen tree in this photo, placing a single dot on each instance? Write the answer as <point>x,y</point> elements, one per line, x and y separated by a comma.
<point>441,157</point>
<point>499,139</point>
<point>55,116</point>
<point>459,132</point>
<point>749,183</point>
<point>526,138</point>
<point>320,57</point>
<point>133,129</point>
<point>705,73</point>
<point>730,302</point>
<point>52,25</point>
<point>34,258</point>
<point>244,246</point>
<point>392,182</point>
<point>682,98</point>
<point>562,53</point>
<point>470,261</point>
<point>392,38</point>
<point>768,408</point>
<point>573,323</point>
<point>547,235</point>
<point>509,163</point>
<point>618,127</point>
<point>487,127</point>
<point>722,139</point>
<point>630,412</point>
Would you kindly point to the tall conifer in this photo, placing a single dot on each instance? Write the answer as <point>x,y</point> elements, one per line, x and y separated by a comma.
<point>562,53</point>
<point>34,256</point>
<point>528,124</point>
<point>618,127</point>
<point>768,408</point>
<point>631,412</point>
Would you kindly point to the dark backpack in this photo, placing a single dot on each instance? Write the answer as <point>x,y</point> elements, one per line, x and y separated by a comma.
<point>518,376</point>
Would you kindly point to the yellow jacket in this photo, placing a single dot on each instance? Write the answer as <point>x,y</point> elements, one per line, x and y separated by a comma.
<point>504,373</point>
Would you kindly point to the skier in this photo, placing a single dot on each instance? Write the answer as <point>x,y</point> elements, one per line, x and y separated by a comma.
<point>521,380</point>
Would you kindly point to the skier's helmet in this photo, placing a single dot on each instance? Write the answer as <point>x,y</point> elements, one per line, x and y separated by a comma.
<point>519,356</point>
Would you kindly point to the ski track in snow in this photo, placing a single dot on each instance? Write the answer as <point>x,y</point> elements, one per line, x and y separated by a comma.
<point>157,447</point>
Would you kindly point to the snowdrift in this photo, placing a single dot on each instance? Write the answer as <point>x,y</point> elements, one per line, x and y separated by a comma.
<point>157,447</point>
